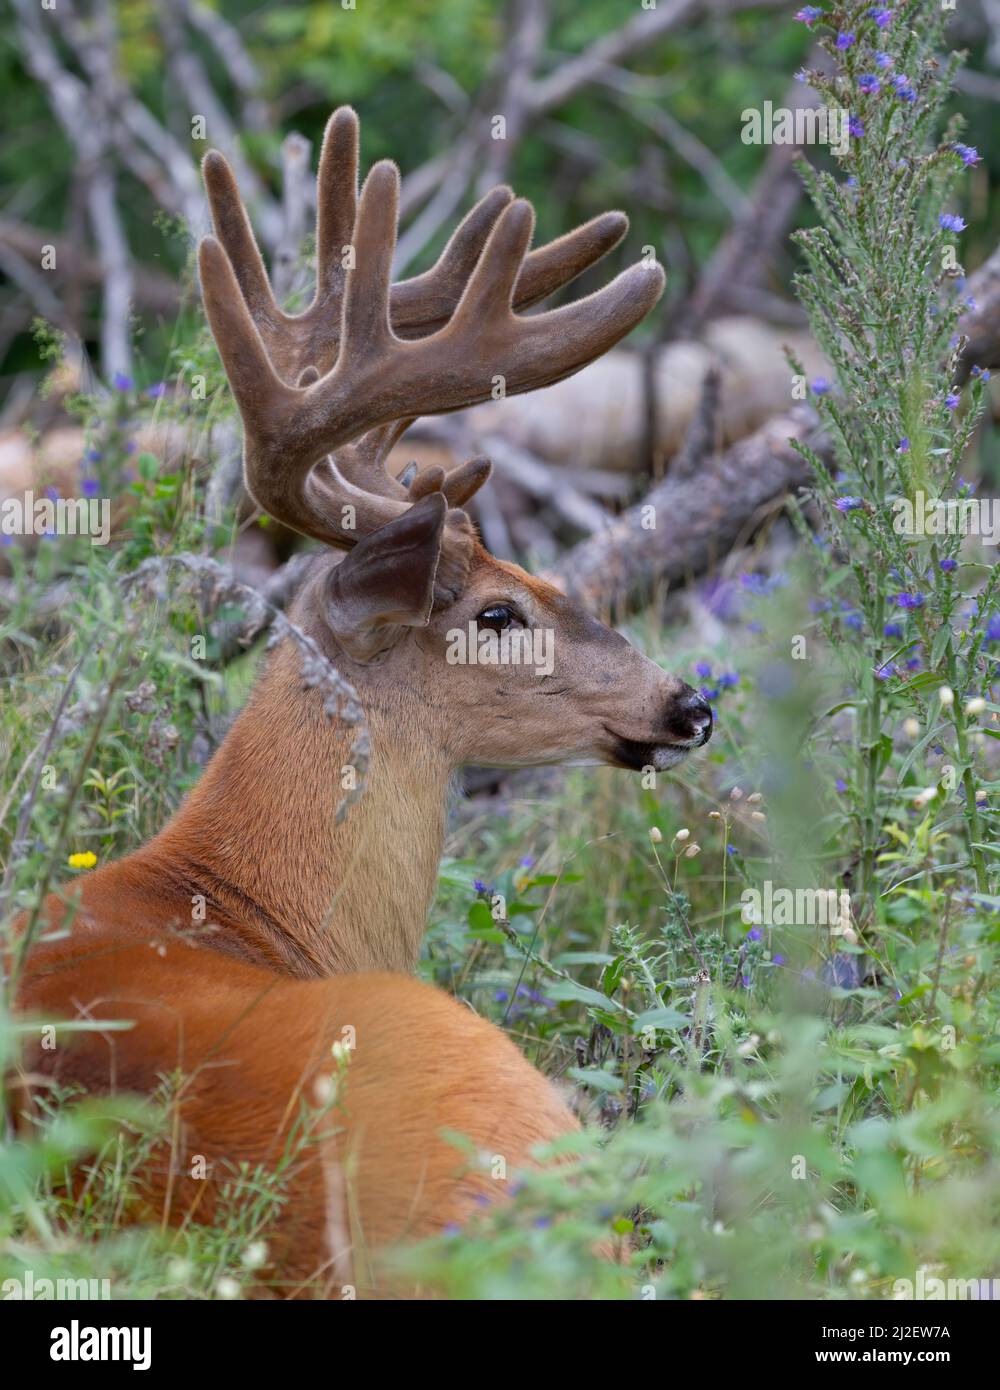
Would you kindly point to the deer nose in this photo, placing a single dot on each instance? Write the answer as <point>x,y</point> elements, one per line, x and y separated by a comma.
<point>690,718</point>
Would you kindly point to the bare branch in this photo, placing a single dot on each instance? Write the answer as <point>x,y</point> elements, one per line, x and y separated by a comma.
<point>116,270</point>
<point>189,74</point>
<point>153,289</point>
<point>639,33</point>
<point>679,138</point>
<point>33,284</point>
<point>296,183</point>
<point>227,43</point>
<point>742,257</point>
<point>982,325</point>
<point>526,39</point>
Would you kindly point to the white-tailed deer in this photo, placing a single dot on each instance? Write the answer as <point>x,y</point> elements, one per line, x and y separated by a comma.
<point>299,905</point>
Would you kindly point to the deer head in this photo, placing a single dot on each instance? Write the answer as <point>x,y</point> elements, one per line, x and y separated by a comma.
<point>464,651</point>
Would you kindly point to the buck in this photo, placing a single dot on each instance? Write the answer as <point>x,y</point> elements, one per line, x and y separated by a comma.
<point>314,924</point>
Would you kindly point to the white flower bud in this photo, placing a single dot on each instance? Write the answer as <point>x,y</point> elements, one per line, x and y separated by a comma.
<point>911,727</point>
<point>946,696</point>
<point>975,705</point>
<point>254,1255</point>
<point>655,834</point>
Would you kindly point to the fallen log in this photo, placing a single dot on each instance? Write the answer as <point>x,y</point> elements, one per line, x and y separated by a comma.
<point>691,520</point>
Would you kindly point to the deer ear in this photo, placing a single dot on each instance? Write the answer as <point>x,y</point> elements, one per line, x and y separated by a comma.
<point>386,583</point>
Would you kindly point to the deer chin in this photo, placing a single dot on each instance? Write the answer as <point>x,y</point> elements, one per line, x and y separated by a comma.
<point>635,755</point>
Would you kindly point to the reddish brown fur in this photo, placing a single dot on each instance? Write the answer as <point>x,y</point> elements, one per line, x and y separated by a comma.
<point>252,1045</point>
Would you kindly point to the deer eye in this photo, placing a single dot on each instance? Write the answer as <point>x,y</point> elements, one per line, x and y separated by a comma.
<point>498,616</point>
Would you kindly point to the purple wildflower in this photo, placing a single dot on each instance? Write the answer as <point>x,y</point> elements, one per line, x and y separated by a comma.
<point>840,785</point>
<point>849,504</point>
<point>869,84</point>
<point>121,382</point>
<point>880,15</point>
<point>844,41</point>
<point>703,669</point>
<point>968,154</point>
<point>884,60</point>
<point>856,127</point>
<point>948,565</point>
<point>951,222</point>
<point>808,15</point>
<point>953,400</point>
<point>819,386</point>
<point>892,630</point>
<point>903,447</point>
<point>910,600</point>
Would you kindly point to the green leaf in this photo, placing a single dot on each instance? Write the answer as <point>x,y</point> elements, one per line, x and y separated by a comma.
<point>480,917</point>
<point>596,1078</point>
<point>666,1017</point>
<point>565,990</point>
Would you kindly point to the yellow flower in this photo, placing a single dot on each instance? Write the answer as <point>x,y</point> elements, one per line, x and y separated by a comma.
<point>86,860</point>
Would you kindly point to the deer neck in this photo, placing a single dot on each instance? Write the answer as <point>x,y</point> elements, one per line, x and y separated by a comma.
<point>258,837</point>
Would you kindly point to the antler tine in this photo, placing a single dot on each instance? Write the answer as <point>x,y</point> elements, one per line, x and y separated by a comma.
<point>484,340</point>
<point>336,200</point>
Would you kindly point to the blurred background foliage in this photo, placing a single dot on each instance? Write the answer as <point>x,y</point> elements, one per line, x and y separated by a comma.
<point>425,74</point>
